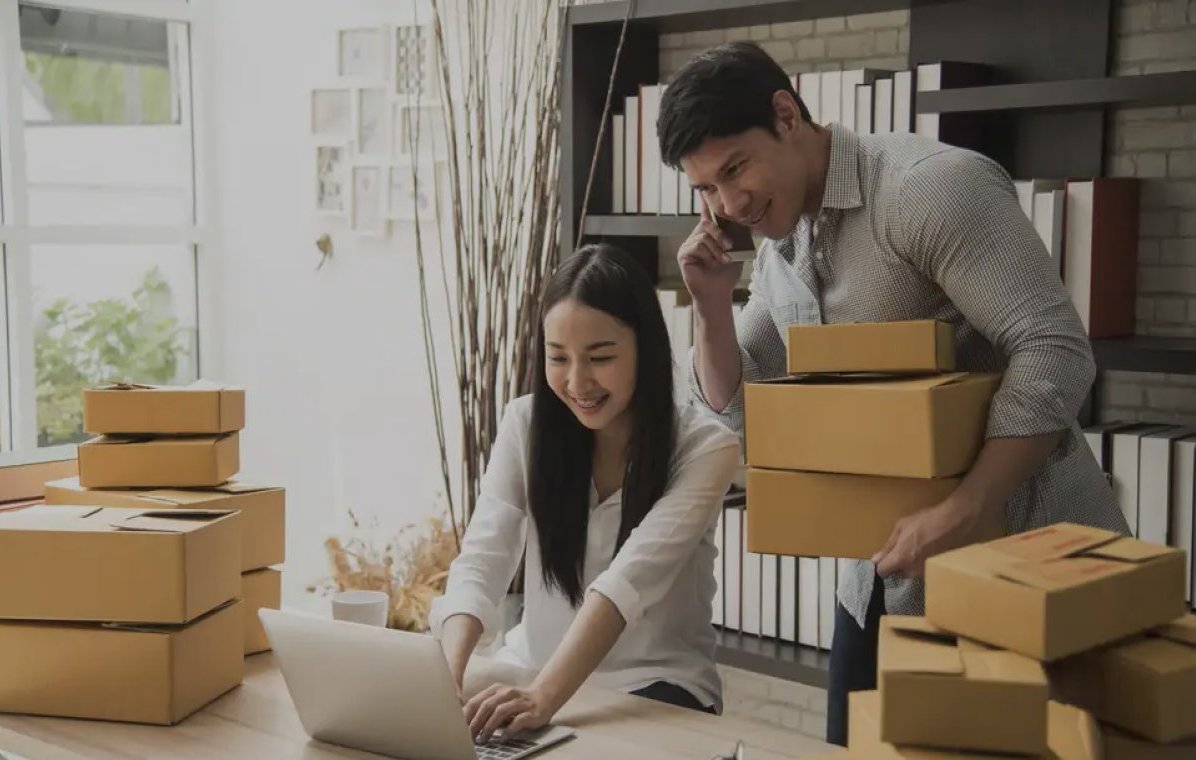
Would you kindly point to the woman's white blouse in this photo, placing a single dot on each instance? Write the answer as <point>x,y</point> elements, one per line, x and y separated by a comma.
<point>662,580</point>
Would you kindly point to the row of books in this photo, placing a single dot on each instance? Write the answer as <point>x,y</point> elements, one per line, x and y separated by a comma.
<point>863,100</point>
<point>1090,229</point>
<point>790,599</point>
<point>1152,469</point>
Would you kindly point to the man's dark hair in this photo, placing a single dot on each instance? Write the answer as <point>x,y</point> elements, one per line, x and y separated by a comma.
<point>721,92</point>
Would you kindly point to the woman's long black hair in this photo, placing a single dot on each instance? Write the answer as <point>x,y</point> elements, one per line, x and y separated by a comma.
<point>561,449</point>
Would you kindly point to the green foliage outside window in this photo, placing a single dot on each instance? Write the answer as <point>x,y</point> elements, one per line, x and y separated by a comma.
<point>91,91</point>
<point>79,345</point>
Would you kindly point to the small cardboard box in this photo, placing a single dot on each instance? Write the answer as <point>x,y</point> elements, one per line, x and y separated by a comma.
<point>119,565</point>
<point>139,462</point>
<point>199,408</point>
<point>818,514</point>
<point>263,510</point>
<point>1146,684</point>
<point>920,427</point>
<point>937,690</point>
<point>897,347</point>
<point>1122,746</point>
<point>1072,734</point>
<point>261,588</point>
<point>143,674</point>
<point>1055,591</point>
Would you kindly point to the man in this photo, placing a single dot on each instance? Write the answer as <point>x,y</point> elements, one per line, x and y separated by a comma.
<point>874,228</point>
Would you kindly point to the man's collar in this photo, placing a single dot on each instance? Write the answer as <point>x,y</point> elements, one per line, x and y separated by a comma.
<point>842,188</point>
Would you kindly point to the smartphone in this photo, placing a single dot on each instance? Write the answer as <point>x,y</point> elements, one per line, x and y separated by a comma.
<point>743,248</point>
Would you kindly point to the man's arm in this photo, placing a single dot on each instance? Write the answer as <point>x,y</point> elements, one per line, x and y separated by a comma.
<point>722,361</point>
<point>716,359</point>
<point>961,225</point>
<point>1002,465</point>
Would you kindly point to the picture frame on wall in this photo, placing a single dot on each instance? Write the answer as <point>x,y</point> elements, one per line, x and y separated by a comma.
<point>414,71</point>
<point>331,113</point>
<point>404,202</point>
<point>367,218</point>
<point>372,133</point>
<point>361,53</point>
<point>418,131</point>
<point>331,162</point>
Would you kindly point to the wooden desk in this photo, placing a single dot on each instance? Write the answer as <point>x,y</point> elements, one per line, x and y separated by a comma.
<point>258,722</point>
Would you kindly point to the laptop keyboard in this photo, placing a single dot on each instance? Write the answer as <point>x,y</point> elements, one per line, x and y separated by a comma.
<point>497,749</point>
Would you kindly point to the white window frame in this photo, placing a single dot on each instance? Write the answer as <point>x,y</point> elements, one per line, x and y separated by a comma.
<point>18,425</point>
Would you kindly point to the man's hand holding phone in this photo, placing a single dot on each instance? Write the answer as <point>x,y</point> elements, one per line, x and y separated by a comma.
<point>709,270</point>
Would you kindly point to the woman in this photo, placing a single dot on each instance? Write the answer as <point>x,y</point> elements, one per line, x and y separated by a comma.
<point>612,495</point>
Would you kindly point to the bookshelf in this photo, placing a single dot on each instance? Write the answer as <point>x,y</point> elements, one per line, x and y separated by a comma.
<point>1169,89</point>
<point>1141,353</point>
<point>646,225</point>
<point>1047,117</point>
<point>771,657</point>
<point>700,15</point>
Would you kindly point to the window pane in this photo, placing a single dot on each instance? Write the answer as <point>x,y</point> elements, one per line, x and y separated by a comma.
<point>106,138</point>
<point>107,313</point>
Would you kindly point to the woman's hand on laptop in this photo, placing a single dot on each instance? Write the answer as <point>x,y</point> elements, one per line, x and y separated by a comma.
<point>510,708</point>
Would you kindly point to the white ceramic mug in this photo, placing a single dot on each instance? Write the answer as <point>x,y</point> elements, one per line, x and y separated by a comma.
<point>368,607</point>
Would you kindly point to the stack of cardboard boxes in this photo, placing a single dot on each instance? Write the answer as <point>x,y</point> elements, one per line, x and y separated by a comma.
<point>140,580</point>
<point>870,426</point>
<point>1064,642</point>
<point>1028,640</point>
<point>118,614</point>
<point>176,448</point>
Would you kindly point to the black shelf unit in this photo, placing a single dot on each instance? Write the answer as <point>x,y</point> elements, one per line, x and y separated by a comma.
<point>771,657</point>
<point>645,225</point>
<point>701,15</point>
<point>1048,120</point>
<point>1143,353</point>
<point>1172,88</point>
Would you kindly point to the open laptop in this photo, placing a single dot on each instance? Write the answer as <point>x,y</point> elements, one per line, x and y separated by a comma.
<point>381,690</point>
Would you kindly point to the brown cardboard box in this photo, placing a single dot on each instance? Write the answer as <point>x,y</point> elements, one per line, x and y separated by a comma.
<point>898,347</point>
<point>263,510</point>
<point>140,462</point>
<point>144,674</point>
<point>1122,746</point>
<point>120,565</point>
<point>818,514</point>
<point>261,588</point>
<point>201,407</point>
<point>940,691</point>
<point>921,427</point>
<point>1146,684</point>
<point>1072,734</point>
<point>1055,591</point>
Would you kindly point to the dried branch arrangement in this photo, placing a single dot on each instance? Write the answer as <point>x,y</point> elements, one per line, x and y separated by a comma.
<point>499,74</point>
<point>412,569</point>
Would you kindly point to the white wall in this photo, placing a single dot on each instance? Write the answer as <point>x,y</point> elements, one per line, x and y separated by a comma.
<point>338,406</point>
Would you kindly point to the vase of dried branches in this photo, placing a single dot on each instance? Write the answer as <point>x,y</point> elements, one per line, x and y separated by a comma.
<point>498,65</point>
<point>412,568</point>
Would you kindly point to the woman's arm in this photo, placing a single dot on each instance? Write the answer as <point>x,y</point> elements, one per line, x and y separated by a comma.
<point>639,576</point>
<point>481,574</point>
<point>459,636</point>
<point>589,639</point>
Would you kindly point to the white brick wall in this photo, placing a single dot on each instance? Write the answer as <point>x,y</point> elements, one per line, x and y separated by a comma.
<point>877,40</point>
<point>1157,145</point>
<point>795,706</point>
